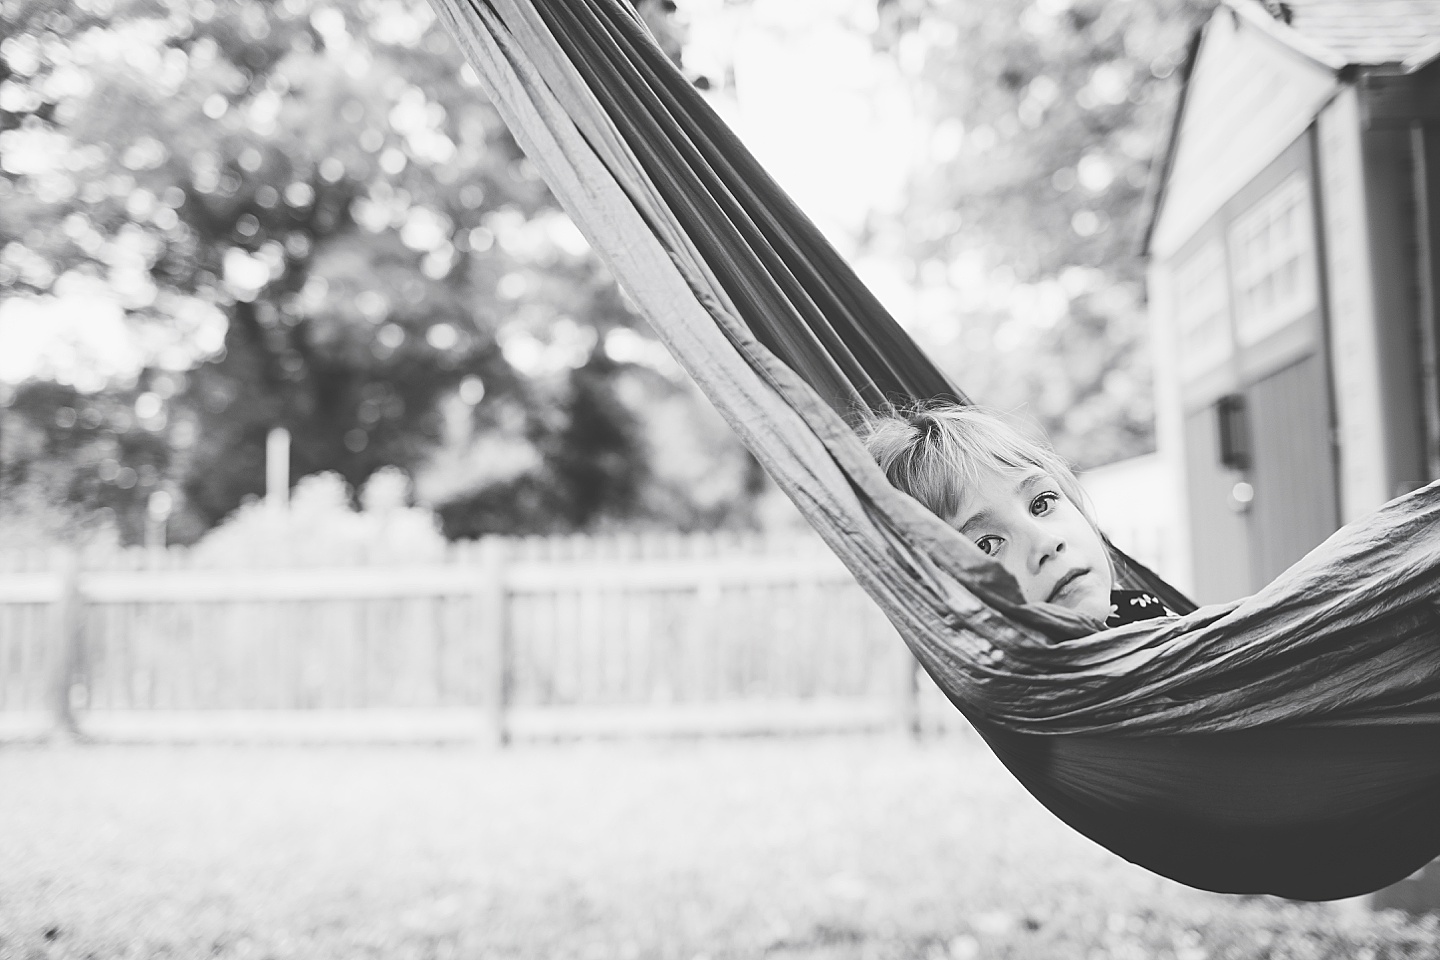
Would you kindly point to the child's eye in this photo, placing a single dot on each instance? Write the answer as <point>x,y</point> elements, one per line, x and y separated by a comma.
<point>1044,503</point>
<point>991,545</point>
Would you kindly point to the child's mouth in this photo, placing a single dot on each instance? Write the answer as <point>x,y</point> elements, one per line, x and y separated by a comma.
<point>1064,582</point>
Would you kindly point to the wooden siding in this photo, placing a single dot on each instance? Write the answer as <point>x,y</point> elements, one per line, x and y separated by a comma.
<point>1218,533</point>
<point>1281,371</point>
<point>1246,101</point>
<point>1247,360</point>
<point>1425,151</point>
<point>1296,505</point>
<point>1389,190</point>
<point>1354,340</point>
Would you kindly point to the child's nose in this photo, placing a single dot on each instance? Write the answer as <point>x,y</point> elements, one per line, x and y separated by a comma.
<point>1048,546</point>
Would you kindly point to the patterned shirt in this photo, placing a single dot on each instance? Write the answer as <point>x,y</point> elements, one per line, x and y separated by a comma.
<point>1127,606</point>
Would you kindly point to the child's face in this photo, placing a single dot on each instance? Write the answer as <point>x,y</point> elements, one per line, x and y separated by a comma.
<point>1040,537</point>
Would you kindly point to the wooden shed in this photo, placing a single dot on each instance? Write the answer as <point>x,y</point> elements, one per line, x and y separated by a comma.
<point>1293,259</point>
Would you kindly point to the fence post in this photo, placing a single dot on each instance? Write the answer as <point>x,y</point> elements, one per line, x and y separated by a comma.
<point>495,634</point>
<point>910,695</point>
<point>65,648</point>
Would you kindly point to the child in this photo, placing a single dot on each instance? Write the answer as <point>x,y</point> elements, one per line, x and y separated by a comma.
<point>1014,497</point>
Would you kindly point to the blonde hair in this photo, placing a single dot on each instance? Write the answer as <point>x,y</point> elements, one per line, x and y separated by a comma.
<point>936,452</point>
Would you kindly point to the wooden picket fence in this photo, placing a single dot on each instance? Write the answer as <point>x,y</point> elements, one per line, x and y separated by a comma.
<point>504,629</point>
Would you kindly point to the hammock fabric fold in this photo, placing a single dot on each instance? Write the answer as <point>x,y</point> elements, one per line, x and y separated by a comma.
<point>1287,743</point>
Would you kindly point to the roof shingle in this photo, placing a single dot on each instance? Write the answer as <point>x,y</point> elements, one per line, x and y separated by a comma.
<point>1369,32</point>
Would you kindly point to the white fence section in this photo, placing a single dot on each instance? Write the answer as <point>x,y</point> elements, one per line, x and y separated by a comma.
<point>512,630</point>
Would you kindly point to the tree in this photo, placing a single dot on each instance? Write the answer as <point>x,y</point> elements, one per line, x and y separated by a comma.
<point>91,449</point>
<point>1024,220</point>
<point>326,186</point>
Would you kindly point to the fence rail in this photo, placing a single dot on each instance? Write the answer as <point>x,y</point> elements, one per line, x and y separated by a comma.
<point>503,627</point>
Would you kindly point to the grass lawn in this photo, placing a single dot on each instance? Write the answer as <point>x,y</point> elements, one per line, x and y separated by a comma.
<point>787,848</point>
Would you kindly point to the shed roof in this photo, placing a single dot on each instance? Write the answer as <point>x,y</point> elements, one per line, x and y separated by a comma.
<point>1369,32</point>
<point>1401,35</point>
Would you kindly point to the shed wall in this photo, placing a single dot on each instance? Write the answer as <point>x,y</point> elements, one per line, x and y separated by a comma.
<point>1250,521</point>
<point>1296,504</point>
<point>1219,534</point>
<point>1391,205</point>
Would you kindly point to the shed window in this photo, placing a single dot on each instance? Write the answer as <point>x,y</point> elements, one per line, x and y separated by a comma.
<point>1272,252</point>
<point>1202,310</point>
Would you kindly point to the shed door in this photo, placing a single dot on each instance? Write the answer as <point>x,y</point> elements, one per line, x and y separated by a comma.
<point>1219,539</point>
<point>1293,468</point>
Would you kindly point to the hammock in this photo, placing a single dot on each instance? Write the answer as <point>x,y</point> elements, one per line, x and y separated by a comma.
<point>1287,743</point>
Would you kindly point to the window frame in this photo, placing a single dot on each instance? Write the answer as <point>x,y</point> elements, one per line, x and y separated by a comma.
<point>1201,309</point>
<point>1260,254</point>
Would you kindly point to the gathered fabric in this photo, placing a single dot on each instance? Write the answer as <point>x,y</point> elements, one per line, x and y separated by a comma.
<point>1286,743</point>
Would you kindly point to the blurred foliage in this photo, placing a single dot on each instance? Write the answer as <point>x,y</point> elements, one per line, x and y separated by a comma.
<point>81,460</point>
<point>677,462</point>
<point>324,527</point>
<point>322,223</point>
<point>1046,120</point>
<point>310,217</point>
<point>592,457</point>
